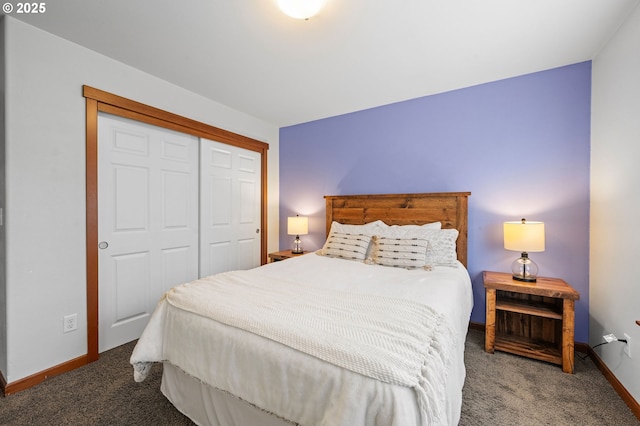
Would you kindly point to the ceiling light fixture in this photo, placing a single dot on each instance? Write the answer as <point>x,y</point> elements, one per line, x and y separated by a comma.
<point>301,9</point>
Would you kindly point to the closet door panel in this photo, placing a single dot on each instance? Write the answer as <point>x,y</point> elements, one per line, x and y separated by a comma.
<point>147,222</point>
<point>230,208</point>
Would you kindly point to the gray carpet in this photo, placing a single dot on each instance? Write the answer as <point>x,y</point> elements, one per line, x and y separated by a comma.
<point>505,389</point>
<point>501,389</point>
<point>102,393</point>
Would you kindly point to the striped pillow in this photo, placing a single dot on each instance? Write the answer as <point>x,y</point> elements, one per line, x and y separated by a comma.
<point>346,246</point>
<point>409,253</point>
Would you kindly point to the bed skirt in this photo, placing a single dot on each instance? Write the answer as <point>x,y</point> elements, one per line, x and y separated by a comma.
<point>207,406</point>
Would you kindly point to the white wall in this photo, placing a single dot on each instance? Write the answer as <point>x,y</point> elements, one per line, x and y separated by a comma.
<point>615,202</point>
<point>45,183</point>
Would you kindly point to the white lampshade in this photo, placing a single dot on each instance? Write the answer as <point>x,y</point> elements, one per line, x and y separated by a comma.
<point>300,9</point>
<point>524,236</point>
<point>298,225</point>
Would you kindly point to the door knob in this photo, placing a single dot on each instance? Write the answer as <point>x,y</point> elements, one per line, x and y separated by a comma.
<point>103,245</point>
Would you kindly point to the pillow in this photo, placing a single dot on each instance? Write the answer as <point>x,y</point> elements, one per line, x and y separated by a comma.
<point>408,231</point>
<point>423,232</point>
<point>366,229</point>
<point>432,225</point>
<point>439,251</point>
<point>346,246</point>
<point>409,253</point>
<point>369,229</point>
<point>442,247</point>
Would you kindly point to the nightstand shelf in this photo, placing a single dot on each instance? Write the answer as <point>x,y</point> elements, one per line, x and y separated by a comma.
<point>531,308</point>
<point>534,349</point>
<point>535,320</point>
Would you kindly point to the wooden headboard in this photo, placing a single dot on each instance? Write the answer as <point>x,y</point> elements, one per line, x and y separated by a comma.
<point>450,208</point>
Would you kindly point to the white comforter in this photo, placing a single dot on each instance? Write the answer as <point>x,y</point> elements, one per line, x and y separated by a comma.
<point>296,385</point>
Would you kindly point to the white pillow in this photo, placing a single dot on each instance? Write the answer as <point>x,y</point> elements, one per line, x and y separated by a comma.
<point>442,247</point>
<point>346,246</point>
<point>366,229</point>
<point>409,253</point>
<point>408,231</point>
<point>431,225</point>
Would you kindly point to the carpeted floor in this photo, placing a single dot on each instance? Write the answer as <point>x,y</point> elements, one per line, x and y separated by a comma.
<point>505,389</point>
<point>500,389</point>
<point>102,393</point>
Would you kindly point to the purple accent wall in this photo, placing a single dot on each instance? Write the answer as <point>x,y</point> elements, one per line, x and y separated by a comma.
<point>520,145</point>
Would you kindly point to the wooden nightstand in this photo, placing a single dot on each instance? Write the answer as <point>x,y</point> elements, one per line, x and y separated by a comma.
<point>535,320</point>
<point>282,255</point>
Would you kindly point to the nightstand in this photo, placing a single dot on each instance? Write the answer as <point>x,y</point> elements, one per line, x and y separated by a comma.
<point>282,255</point>
<point>535,320</point>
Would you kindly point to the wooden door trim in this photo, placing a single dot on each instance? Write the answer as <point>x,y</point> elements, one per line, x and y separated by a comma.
<point>101,101</point>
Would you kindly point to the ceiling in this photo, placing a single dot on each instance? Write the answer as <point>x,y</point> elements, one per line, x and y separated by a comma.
<point>355,54</point>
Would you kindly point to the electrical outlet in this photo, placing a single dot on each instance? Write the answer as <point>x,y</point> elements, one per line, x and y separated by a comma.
<point>627,347</point>
<point>70,323</point>
<point>610,338</point>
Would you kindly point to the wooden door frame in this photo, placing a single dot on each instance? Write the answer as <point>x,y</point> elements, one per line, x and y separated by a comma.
<point>100,101</point>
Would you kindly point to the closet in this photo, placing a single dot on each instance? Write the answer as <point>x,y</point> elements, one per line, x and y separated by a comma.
<point>171,204</point>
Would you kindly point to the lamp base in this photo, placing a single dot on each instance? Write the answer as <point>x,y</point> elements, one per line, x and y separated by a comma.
<point>524,269</point>
<point>296,248</point>
<point>524,279</point>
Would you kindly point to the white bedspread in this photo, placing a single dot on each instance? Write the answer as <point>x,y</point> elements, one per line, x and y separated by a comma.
<point>248,355</point>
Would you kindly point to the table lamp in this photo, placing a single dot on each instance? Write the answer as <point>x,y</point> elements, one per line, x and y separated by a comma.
<point>298,225</point>
<point>524,236</point>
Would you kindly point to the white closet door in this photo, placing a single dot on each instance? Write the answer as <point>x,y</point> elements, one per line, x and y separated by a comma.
<point>230,208</point>
<point>147,222</point>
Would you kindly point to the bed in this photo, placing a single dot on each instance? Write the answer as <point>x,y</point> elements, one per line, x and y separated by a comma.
<point>368,330</point>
